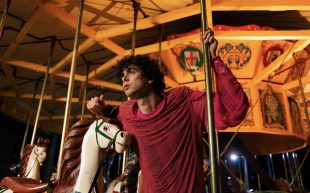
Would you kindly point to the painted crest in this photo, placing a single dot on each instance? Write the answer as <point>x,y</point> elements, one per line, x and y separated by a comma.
<point>235,56</point>
<point>191,59</point>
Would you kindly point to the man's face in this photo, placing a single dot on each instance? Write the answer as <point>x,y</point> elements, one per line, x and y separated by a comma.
<point>134,84</point>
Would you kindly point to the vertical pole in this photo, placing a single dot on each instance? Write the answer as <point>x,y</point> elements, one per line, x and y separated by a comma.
<point>259,182</point>
<point>246,175</point>
<point>25,135</point>
<point>289,161</point>
<point>136,7</point>
<point>301,164</point>
<point>258,178</point>
<point>215,180</point>
<point>160,28</point>
<point>299,172</point>
<point>285,168</point>
<point>70,89</point>
<point>307,118</point>
<point>4,16</point>
<point>272,166</point>
<point>269,166</point>
<point>302,94</point>
<point>85,92</point>
<point>35,127</point>
<point>218,149</point>
<point>124,161</point>
<point>119,169</point>
<point>239,168</point>
<point>296,169</point>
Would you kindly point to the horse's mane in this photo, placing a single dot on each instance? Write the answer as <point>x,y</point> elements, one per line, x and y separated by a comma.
<point>24,161</point>
<point>71,156</point>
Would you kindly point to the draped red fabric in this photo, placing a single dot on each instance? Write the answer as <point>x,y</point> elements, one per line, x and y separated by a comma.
<point>169,142</point>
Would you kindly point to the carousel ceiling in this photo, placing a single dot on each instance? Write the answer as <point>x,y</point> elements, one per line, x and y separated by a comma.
<point>31,25</point>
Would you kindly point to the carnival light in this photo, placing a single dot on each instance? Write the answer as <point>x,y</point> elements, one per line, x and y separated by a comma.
<point>234,156</point>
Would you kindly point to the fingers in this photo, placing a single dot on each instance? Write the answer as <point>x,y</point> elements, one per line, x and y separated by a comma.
<point>92,102</point>
<point>95,103</point>
<point>101,98</point>
<point>208,36</point>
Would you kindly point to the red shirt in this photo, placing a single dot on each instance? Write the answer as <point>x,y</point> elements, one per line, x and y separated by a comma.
<point>169,142</point>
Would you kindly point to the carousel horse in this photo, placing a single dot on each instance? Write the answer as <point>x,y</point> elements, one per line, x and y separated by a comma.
<point>130,181</point>
<point>100,135</point>
<point>69,168</point>
<point>36,158</point>
<point>33,157</point>
<point>72,155</point>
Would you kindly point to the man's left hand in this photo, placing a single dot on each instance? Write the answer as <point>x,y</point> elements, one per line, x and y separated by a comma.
<point>208,37</point>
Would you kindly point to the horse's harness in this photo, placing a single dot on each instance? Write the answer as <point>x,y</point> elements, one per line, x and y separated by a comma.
<point>112,140</point>
<point>111,144</point>
<point>34,162</point>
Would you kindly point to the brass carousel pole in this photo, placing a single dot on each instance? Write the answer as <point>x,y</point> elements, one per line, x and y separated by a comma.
<point>70,89</point>
<point>160,28</point>
<point>297,173</point>
<point>298,170</point>
<point>29,119</point>
<point>136,7</point>
<point>302,94</point>
<point>307,118</point>
<point>85,92</point>
<point>25,135</point>
<point>285,168</point>
<point>273,174</point>
<point>215,180</point>
<point>290,166</point>
<point>35,127</point>
<point>4,16</point>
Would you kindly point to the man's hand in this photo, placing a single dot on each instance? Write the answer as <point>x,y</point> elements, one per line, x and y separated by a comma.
<point>96,105</point>
<point>208,38</point>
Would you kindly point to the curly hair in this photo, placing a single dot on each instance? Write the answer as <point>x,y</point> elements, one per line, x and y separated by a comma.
<point>149,70</point>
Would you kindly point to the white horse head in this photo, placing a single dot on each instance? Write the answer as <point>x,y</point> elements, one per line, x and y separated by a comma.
<point>99,135</point>
<point>36,158</point>
<point>109,134</point>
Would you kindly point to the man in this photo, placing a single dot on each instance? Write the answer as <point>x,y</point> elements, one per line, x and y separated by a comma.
<point>167,127</point>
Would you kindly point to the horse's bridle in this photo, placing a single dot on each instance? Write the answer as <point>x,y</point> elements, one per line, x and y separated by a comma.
<point>34,162</point>
<point>112,140</point>
<point>102,162</point>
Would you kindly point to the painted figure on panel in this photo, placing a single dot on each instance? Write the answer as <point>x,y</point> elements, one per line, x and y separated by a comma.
<point>295,114</point>
<point>272,110</point>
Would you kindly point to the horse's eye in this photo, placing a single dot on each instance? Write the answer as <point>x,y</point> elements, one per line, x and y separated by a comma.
<point>105,128</point>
